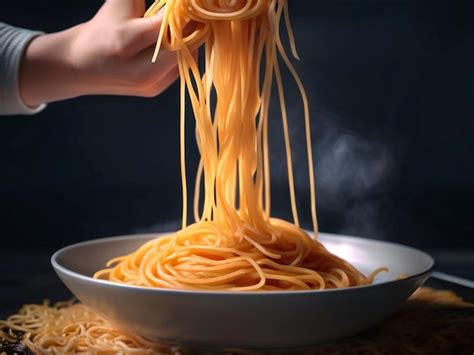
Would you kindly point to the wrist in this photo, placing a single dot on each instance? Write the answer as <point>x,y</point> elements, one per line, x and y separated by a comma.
<point>47,70</point>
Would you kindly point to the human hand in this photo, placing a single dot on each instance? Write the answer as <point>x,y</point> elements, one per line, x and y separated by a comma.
<point>110,54</point>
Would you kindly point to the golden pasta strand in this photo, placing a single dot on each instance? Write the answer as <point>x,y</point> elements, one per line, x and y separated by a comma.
<point>67,327</point>
<point>241,41</point>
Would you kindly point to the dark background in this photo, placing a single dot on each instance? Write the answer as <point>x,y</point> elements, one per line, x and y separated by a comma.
<point>391,87</point>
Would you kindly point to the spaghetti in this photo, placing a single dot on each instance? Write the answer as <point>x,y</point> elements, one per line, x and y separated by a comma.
<point>431,321</point>
<point>69,328</point>
<point>234,244</point>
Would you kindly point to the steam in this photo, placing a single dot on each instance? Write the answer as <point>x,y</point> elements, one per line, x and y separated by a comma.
<point>168,226</point>
<point>351,166</point>
<point>352,176</point>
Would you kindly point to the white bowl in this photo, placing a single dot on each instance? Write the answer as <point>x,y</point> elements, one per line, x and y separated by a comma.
<point>246,320</point>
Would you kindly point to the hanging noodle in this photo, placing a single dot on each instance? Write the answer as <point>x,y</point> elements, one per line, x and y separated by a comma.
<point>234,244</point>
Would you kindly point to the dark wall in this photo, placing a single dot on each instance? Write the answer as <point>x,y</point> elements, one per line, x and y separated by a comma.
<point>391,92</point>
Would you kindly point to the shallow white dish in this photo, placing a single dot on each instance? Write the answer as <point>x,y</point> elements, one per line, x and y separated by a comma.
<point>246,320</point>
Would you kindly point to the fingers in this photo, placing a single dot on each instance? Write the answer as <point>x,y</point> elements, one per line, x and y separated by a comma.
<point>163,83</point>
<point>143,32</point>
<point>140,33</point>
<point>151,90</point>
<point>154,78</point>
<point>132,33</point>
<point>137,7</point>
<point>153,71</point>
<point>126,9</point>
<point>147,29</point>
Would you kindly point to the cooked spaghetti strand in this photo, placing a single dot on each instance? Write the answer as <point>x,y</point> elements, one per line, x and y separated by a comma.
<point>234,243</point>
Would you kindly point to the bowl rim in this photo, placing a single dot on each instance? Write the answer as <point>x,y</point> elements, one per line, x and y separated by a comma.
<point>61,269</point>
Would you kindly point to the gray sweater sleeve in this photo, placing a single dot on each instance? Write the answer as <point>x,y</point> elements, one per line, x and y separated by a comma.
<point>13,42</point>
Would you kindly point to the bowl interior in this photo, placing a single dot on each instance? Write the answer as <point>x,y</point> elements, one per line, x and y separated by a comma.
<point>90,256</point>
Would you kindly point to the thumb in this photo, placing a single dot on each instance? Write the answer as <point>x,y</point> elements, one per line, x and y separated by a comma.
<point>126,9</point>
<point>141,33</point>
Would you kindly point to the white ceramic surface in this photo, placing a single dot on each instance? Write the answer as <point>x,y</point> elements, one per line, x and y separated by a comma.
<point>246,320</point>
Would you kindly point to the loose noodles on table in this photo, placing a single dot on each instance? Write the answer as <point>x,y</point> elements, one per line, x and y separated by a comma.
<point>430,322</point>
<point>234,243</point>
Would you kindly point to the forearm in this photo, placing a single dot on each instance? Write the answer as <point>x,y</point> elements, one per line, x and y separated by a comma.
<point>47,71</point>
<point>109,54</point>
